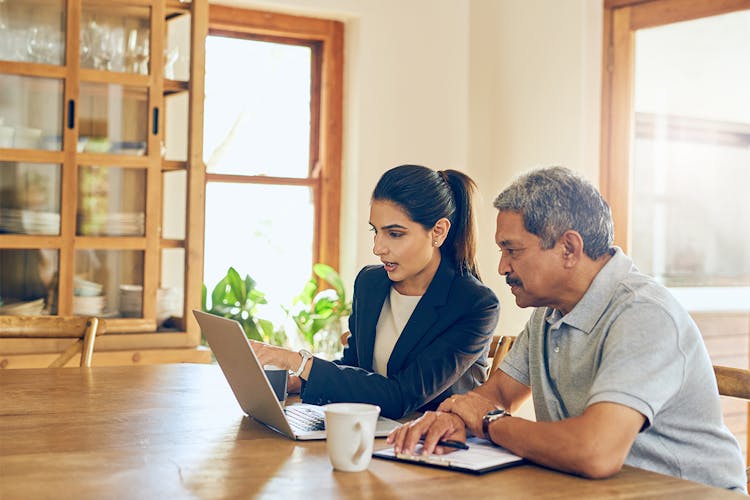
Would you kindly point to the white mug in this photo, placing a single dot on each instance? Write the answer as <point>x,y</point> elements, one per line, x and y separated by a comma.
<point>350,432</point>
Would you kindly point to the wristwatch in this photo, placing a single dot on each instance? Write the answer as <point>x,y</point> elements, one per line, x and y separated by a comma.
<point>306,355</point>
<point>490,417</point>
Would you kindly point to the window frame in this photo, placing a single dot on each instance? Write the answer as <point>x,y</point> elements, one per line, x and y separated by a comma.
<point>326,39</point>
<point>621,20</point>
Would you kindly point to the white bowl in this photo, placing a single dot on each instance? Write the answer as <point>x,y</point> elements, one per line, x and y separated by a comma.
<point>27,138</point>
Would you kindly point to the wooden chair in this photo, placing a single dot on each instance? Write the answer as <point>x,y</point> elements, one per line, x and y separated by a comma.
<point>83,329</point>
<point>498,349</point>
<point>734,383</point>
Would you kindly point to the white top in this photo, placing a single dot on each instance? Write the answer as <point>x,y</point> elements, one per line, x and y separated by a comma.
<point>394,315</point>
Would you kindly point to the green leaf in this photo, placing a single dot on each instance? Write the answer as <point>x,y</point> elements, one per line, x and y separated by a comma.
<point>329,274</point>
<point>237,285</point>
<point>249,283</point>
<point>204,292</point>
<point>307,293</point>
<point>251,330</point>
<point>218,296</point>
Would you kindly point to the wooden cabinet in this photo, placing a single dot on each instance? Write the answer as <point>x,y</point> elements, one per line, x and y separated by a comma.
<point>101,173</point>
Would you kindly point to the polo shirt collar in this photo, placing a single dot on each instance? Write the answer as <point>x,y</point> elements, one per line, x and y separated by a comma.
<point>594,302</point>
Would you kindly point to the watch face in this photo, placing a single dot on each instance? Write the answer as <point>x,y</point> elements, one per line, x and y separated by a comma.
<point>497,412</point>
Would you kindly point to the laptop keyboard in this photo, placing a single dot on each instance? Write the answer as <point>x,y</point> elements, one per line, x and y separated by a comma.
<point>304,419</point>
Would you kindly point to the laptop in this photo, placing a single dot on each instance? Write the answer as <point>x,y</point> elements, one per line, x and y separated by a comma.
<point>252,389</point>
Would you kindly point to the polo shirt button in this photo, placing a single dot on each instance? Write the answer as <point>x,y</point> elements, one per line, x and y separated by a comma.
<point>557,348</point>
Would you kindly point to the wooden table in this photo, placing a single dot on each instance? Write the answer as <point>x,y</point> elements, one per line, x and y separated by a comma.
<point>175,431</point>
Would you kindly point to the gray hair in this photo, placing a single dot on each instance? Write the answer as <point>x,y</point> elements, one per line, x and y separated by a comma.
<point>554,200</point>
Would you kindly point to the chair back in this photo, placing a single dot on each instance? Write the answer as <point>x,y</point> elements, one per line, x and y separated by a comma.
<point>733,382</point>
<point>498,349</point>
<point>83,329</point>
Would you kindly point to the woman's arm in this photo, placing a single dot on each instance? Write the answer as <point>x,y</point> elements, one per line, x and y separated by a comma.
<point>436,363</point>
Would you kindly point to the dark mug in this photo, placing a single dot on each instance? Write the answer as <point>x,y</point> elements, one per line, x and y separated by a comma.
<point>277,378</point>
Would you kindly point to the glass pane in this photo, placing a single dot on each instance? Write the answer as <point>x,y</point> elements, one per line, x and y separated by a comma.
<point>32,31</point>
<point>115,38</point>
<point>173,205</point>
<point>691,169</point>
<point>177,51</point>
<point>29,198</point>
<point>257,108</point>
<point>113,119</point>
<point>30,112</point>
<point>111,201</point>
<point>108,283</point>
<point>271,245</point>
<point>28,282</point>
<point>169,305</point>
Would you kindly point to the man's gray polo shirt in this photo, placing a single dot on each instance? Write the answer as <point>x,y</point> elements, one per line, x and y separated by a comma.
<point>628,341</point>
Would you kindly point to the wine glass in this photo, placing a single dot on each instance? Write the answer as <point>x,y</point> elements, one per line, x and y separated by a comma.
<point>137,51</point>
<point>171,54</point>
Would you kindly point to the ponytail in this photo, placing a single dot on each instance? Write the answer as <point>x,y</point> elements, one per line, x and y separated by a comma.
<point>461,245</point>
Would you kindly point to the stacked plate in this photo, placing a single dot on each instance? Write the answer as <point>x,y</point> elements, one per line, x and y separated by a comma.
<point>29,221</point>
<point>22,308</point>
<point>131,300</point>
<point>87,297</point>
<point>88,306</point>
<point>112,223</point>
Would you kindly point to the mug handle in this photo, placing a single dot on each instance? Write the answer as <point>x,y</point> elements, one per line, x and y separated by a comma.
<point>362,443</point>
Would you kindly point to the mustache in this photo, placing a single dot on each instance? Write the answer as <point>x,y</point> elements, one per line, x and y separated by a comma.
<point>513,281</point>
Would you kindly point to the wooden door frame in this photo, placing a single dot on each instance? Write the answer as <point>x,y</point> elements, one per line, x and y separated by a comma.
<point>621,19</point>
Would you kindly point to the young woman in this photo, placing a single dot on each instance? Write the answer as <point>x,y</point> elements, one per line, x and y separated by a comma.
<point>421,322</point>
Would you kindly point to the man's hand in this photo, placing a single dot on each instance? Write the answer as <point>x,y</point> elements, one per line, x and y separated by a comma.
<point>471,407</point>
<point>433,426</point>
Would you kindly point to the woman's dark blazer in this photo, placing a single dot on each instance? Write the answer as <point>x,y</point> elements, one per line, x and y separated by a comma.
<point>441,351</point>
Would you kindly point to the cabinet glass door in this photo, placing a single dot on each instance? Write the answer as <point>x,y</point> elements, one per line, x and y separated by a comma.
<point>30,112</point>
<point>108,283</point>
<point>29,198</point>
<point>111,201</point>
<point>113,119</point>
<point>115,37</point>
<point>32,31</point>
<point>28,281</point>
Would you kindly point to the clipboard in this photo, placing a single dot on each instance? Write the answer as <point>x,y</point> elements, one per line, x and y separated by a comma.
<point>482,456</point>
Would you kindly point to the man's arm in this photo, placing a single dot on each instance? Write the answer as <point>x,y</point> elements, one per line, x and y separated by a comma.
<point>594,444</point>
<point>458,412</point>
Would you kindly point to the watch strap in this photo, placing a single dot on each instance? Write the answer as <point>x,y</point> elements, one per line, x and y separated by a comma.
<point>490,417</point>
<point>306,355</point>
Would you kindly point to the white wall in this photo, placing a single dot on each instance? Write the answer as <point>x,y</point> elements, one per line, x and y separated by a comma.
<point>491,87</point>
<point>535,101</point>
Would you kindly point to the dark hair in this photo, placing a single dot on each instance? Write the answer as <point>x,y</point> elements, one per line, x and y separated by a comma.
<point>427,195</point>
<point>554,200</point>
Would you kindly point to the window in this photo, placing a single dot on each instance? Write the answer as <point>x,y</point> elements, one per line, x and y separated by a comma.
<point>272,147</point>
<point>676,160</point>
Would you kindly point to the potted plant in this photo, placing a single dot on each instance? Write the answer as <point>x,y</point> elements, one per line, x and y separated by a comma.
<point>318,314</point>
<point>238,299</point>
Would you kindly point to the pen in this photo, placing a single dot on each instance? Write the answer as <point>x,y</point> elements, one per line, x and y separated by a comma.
<point>450,443</point>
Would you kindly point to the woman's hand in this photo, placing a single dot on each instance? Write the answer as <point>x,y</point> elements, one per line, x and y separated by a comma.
<point>471,407</point>
<point>276,356</point>
<point>433,426</point>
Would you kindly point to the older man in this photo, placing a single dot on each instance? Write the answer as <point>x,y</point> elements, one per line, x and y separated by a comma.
<point>617,368</point>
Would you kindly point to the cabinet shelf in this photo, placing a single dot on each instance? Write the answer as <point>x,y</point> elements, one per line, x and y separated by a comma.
<point>175,86</point>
